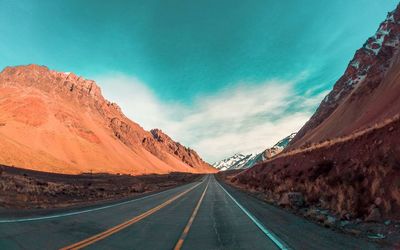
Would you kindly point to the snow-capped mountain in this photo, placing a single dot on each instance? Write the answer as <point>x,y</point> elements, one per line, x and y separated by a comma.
<point>285,141</point>
<point>240,161</point>
<point>237,161</point>
<point>270,152</point>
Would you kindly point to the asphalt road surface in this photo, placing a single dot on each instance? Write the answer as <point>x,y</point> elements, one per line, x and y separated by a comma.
<point>200,215</point>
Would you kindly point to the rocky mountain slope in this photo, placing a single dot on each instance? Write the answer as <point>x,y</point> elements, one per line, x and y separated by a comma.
<point>59,122</point>
<point>346,158</point>
<point>240,161</point>
<point>367,93</point>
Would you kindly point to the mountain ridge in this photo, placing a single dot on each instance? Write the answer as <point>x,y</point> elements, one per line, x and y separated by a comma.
<point>366,75</point>
<point>77,129</point>
<point>240,161</point>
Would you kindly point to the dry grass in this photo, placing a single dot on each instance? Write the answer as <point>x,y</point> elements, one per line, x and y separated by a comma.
<point>333,142</point>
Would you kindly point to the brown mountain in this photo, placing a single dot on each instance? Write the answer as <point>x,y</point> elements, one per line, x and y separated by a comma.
<point>59,122</point>
<point>346,158</point>
<point>366,94</point>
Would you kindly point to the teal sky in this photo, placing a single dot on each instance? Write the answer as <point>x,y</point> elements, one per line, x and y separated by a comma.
<point>184,51</point>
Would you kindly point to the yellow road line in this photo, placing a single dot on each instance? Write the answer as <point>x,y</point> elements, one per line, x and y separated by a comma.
<point>100,236</point>
<point>185,232</point>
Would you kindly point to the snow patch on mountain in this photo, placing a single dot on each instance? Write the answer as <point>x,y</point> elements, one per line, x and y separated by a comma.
<point>241,161</point>
<point>237,161</point>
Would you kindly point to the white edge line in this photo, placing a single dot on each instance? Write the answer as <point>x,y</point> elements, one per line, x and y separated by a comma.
<point>270,235</point>
<point>79,212</point>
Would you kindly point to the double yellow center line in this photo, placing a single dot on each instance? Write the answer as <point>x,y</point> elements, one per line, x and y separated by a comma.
<point>113,230</point>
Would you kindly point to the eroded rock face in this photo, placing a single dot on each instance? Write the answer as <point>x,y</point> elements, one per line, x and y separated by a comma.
<point>49,102</point>
<point>52,81</point>
<point>187,155</point>
<point>366,75</point>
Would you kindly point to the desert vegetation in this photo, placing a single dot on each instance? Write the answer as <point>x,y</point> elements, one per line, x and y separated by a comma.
<point>356,176</point>
<point>26,189</point>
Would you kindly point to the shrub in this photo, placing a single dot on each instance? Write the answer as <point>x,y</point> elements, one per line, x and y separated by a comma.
<point>322,168</point>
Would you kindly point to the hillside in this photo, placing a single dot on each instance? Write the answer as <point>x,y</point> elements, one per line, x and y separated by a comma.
<point>366,94</point>
<point>346,157</point>
<point>59,122</point>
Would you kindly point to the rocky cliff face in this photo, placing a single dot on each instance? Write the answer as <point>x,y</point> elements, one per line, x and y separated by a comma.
<point>60,122</point>
<point>187,155</point>
<point>368,79</point>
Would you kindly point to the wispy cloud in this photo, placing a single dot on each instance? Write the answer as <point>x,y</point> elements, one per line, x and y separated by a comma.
<point>246,118</point>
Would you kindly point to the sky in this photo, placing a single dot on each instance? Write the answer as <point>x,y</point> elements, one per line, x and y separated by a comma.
<point>221,77</point>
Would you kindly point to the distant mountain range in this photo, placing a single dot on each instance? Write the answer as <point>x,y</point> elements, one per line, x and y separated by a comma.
<point>241,161</point>
<point>59,122</point>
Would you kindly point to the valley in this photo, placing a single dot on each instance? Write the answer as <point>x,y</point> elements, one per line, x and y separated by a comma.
<point>108,129</point>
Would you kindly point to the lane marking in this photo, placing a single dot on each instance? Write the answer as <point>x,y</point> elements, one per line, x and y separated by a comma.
<point>279,243</point>
<point>80,212</point>
<point>117,228</point>
<point>185,232</point>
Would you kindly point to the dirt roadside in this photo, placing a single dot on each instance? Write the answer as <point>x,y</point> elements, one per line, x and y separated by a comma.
<point>22,189</point>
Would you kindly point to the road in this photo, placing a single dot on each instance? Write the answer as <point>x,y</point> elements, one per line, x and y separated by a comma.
<point>202,215</point>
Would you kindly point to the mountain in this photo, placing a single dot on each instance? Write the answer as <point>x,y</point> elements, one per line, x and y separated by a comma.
<point>285,141</point>
<point>367,93</point>
<point>237,161</point>
<point>59,122</point>
<point>346,158</point>
<point>240,161</point>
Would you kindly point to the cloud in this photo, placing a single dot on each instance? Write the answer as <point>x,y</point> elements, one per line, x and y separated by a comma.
<point>136,100</point>
<point>246,118</point>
